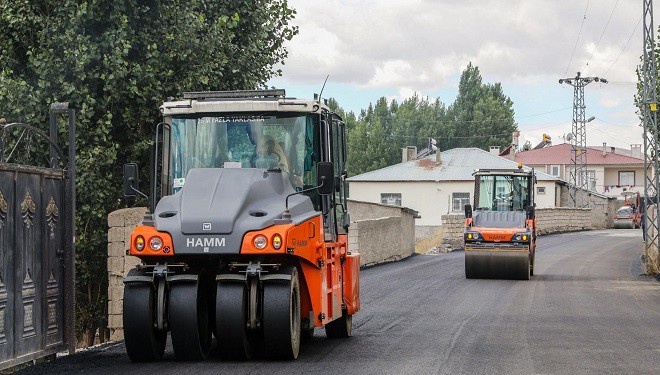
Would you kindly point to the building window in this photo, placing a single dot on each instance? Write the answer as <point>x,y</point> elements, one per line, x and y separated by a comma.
<point>554,170</point>
<point>459,201</point>
<point>390,199</point>
<point>540,190</point>
<point>627,178</point>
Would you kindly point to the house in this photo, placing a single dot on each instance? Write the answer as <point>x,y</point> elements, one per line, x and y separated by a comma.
<point>610,170</point>
<point>440,183</point>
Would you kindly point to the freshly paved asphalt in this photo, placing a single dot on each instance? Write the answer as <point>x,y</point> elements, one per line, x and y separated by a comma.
<point>587,311</point>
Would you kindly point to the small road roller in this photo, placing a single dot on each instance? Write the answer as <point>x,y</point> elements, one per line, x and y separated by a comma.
<point>500,233</point>
<point>246,237</point>
<point>629,216</point>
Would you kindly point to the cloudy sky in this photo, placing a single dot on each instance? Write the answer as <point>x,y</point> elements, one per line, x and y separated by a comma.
<point>375,48</point>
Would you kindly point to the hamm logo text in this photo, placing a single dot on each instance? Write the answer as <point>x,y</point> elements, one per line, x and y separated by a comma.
<point>206,242</point>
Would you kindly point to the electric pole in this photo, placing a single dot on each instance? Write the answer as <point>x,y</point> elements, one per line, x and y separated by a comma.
<point>579,181</point>
<point>650,123</point>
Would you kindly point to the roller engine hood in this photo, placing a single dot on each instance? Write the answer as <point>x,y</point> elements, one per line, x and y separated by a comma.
<point>217,206</point>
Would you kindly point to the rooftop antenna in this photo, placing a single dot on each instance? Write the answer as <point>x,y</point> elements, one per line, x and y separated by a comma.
<point>323,87</point>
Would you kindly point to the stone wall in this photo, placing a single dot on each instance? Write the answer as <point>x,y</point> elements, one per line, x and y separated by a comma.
<point>602,207</point>
<point>121,224</point>
<point>562,219</point>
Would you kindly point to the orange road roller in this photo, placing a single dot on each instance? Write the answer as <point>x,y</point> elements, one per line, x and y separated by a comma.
<point>246,238</point>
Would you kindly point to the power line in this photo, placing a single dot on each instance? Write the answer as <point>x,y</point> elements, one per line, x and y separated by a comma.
<point>611,123</point>
<point>578,38</point>
<point>546,126</point>
<point>617,136</point>
<point>545,113</point>
<point>625,46</point>
<point>601,35</point>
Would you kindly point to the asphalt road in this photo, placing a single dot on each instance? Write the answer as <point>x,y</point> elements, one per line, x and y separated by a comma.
<point>587,311</point>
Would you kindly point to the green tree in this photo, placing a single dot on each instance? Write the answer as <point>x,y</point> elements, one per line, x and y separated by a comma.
<point>115,61</point>
<point>481,116</point>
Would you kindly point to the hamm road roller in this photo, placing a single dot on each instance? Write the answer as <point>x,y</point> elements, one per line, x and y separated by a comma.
<point>248,240</point>
<point>629,216</point>
<point>500,234</point>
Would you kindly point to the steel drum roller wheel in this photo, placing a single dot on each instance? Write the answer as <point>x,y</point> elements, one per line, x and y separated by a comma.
<point>497,265</point>
<point>231,317</point>
<point>189,320</point>
<point>281,316</point>
<point>143,342</point>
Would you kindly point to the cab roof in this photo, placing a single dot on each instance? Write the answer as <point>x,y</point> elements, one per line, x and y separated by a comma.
<point>240,101</point>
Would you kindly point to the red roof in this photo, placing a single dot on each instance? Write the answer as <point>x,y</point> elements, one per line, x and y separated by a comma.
<point>561,154</point>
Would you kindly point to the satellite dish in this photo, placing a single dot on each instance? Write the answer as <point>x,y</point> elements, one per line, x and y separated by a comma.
<point>569,137</point>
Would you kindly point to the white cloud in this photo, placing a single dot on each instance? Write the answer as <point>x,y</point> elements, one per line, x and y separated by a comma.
<point>423,45</point>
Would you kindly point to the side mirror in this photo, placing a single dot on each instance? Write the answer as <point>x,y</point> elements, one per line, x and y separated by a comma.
<point>346,220</point>
<point>131,180</point>
<point>325,177</point>
<point>468,211</point>
<point>531,212</point>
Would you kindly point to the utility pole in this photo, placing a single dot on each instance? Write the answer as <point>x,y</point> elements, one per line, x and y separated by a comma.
<point>650,123</point>
<point>579,182</point>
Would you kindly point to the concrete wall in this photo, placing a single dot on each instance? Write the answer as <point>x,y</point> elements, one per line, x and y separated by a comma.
<point>381,233</point>
<point>433,199</point>
<point>121,223</point>
<point>603,208</point>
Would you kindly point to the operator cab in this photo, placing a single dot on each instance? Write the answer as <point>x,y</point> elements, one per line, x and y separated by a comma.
<point>262,130</point>
<point>503,198</point>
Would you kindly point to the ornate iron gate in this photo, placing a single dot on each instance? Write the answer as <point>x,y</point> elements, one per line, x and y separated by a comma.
<point>36,243</point>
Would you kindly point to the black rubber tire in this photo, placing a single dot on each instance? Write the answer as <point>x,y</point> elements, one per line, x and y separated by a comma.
<point>143,342</point>
<point>281,316</point>
<point>306,334</point>
<point>190,326</point>
<point>340,328</point>
<point>231,316</point>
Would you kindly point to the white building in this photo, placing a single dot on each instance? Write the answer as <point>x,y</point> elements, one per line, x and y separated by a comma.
<point>611,171</point>
<point>436,186</point>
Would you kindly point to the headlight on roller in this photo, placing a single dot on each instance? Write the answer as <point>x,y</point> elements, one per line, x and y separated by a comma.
<point>260,242</point>
<point>524,237</point>
<point>472,236</point>
<point>277,241</point>
<point>155,243</point>
<point>139,243</point>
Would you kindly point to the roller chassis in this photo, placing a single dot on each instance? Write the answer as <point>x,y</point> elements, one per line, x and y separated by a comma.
<point>505,247</point>
<point>205,276</point>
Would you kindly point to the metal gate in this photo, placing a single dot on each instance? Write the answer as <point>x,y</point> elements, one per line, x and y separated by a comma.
<point>36,243</point>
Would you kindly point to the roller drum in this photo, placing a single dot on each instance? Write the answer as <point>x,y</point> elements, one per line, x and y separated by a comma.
<point>497,265</point>
<point>624,224</point>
